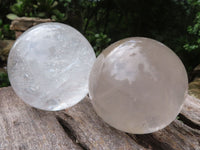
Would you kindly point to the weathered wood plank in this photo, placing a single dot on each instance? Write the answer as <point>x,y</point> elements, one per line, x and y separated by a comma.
<point>177,136</point>
<point>23,127</point>
<point>191,110</point>
<point>89,129</point>
<point>23,23</point>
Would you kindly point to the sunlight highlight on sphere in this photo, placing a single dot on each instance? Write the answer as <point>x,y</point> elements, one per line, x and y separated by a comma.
<point>49,66</point>
<point>138,85</point>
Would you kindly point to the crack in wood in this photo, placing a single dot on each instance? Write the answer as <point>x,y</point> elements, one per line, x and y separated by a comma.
<point>80,128</point>
<point>70,132</point>
<point>149,142</point>
<point>188,122</point>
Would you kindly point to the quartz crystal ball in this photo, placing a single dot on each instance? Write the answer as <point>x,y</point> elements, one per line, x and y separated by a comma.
<point>49,66</point>
<point>138,85</point>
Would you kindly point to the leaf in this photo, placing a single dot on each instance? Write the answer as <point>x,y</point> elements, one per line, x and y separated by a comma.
<point>35,6</point>
<point>65,4</point>
<point>54,4</point>
<point>96,35</point>
<point>11,16</point>
<point>1,22</point>
<point>41,14</point>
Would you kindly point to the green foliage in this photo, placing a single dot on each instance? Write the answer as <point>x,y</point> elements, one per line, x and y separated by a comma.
<point>1,34</point>
<point>5,32</point>
<point>67,11</point>
<point>173,22</point>
<point>40,8</point>
<point>194,30</point>
<point>12,16</point>
<point>4,79</point>
<point>98,41</point>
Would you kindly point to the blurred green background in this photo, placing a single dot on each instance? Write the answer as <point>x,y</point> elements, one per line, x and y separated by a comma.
<point>176,23</point>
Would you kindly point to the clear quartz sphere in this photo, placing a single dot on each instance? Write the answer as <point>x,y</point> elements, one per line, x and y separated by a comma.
<point>138,85</point>
<point>49,66</point>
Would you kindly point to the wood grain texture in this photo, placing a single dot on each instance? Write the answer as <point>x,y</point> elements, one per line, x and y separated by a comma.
<point>23,127</point>
<point>23,23</point>
<point>89,129</point>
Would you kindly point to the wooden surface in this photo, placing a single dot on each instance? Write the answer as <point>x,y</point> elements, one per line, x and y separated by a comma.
<point>21,24</point>
<point>26,128</point>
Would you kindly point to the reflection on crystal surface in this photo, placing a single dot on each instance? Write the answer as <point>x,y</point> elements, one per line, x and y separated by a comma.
<point>138,85</point>
<point>49,66</point>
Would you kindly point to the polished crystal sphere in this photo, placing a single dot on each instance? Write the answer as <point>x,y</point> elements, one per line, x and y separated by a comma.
<point>49,66</point>
<point>138,85</point>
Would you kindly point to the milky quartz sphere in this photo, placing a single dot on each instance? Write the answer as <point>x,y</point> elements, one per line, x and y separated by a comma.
<point>138,85</point>
<point>49,66</point>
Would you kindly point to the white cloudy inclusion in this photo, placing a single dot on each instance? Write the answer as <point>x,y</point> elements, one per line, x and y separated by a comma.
<point>49,66</point>
<point>138,85</point>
